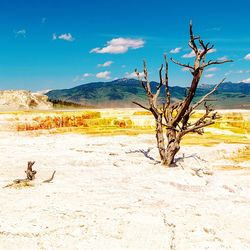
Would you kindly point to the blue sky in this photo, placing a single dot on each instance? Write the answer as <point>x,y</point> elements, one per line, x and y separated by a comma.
<point>60,44</point>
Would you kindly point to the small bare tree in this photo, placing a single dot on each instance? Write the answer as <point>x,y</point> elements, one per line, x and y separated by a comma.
<point>175,117</point>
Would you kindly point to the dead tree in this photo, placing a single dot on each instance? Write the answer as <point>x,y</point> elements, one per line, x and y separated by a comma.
<point>175,117</point>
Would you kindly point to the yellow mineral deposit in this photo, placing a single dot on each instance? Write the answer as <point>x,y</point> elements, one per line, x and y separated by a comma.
<point>233,127</point>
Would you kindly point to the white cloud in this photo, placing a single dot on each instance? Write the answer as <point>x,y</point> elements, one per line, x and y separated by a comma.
<point>106,64</point>
<point>223,58</point>
<point>213,69</point>
<point>119,46</point>
<point>211,51</point>
<point>104,75</point>
<point>133,75</point>
<point>87,75</point>
<point>247,57</point>
<point>209,75</point>
<point>176,50</point>
<point>246,80</point>
<point>189,55</point>
<point>21,33</point>
<point>67,37</point>
<point>185,69</point>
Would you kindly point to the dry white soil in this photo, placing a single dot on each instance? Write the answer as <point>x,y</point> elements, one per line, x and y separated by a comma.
<point>107,195</point>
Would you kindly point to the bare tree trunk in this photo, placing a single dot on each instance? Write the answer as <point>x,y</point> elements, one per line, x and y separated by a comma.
<point>167,154</point>
<point>172,148</point>
<point>160,138</point>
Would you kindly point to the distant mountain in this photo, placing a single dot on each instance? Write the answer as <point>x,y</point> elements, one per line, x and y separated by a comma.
<point>226,87</point>
<point>240,87</point>
<point>121,93</point>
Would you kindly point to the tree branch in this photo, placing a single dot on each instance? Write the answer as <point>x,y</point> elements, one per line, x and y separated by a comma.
<point>140,80</point>
<point>182,64</point>
<point>206,48</point>
<point>207,95</point>
<point>197,128</point>
<point>159,86</point>
<point>168,96</point>
<point>202,122</point>
<point>215,62</point>
<point>50,179</point>
<point>192,43</point>
<point>140,105</point>
<point>168,126</point>
<point>160,75</point>
<point>146,78</point>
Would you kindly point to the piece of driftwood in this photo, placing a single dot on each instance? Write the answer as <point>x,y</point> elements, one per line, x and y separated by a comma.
<point>30,176</point>
<point>50,179</point>
<point>30,173</point>
<point>19,183</point>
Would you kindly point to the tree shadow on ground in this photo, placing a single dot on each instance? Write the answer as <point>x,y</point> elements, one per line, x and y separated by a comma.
<point>178,159</point>
<point>145,153</point>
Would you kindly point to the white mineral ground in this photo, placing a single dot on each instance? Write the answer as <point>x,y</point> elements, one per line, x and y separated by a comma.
<point>107,195</point>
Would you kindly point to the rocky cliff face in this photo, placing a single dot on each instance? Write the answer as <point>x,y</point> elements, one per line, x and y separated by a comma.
<point>23,99</point>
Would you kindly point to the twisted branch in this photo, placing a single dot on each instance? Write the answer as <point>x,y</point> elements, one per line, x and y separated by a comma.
<point>215,62</point>
<point>204,98</point>
<point>182,64</point>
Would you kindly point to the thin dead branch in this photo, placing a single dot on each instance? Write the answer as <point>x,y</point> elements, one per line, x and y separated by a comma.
<point>209,63</point>
<point>204,98</point>
<point>50,179</point>
<point>142,106</point>
<point>182,64</point>
<point>168,96</point>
